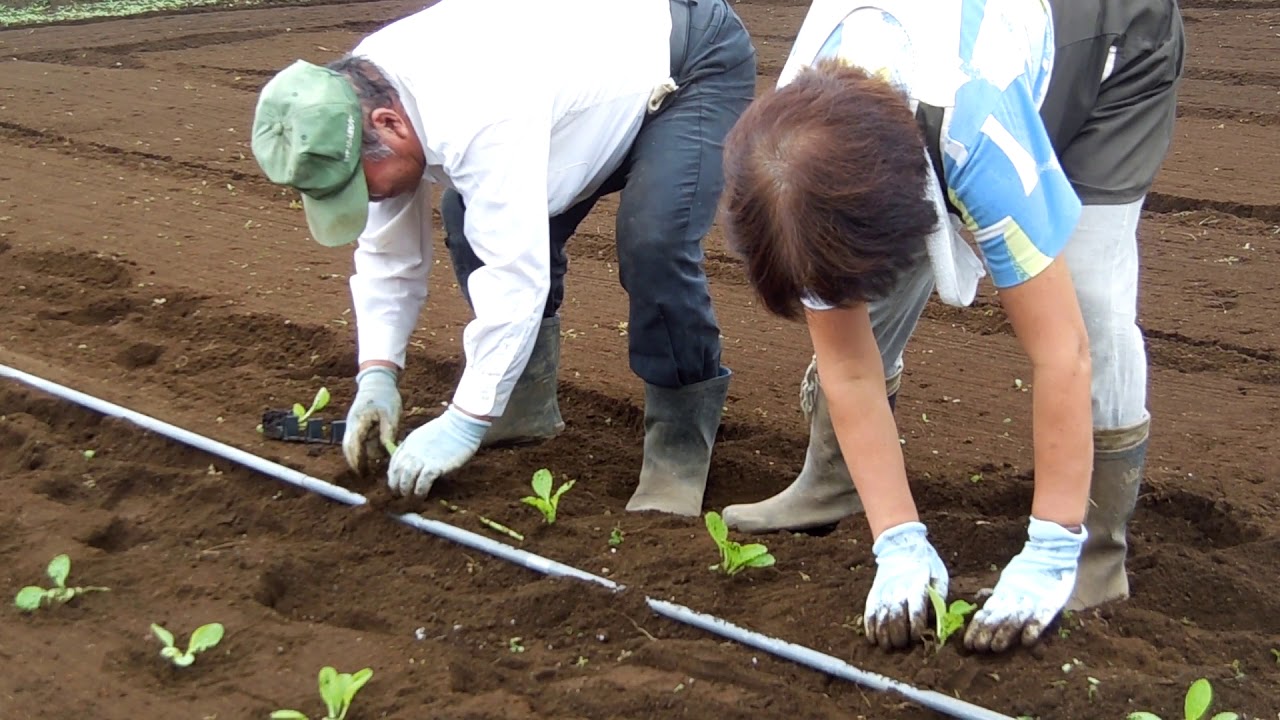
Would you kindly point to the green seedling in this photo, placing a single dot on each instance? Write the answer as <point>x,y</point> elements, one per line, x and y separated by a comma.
<point>546,502</point>
<point>1195,706</point>
<point>733,556</point>
<point>948,621</point>
<point>319,403</point>
<point>1276,654</point>
<point>30,598</point>
<point>337,690</point>
<point>615,537</point>
<point>205,637</point>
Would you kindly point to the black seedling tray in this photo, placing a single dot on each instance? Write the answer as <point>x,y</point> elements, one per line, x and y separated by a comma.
<point>283,425</point>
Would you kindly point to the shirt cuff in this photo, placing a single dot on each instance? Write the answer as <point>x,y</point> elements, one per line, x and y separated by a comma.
<point>379,341</point>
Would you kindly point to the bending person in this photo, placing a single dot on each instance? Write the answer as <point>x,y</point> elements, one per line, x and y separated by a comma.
<point>893,129</point>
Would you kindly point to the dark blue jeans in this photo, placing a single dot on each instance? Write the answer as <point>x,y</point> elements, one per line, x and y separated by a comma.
<point>670,184</point>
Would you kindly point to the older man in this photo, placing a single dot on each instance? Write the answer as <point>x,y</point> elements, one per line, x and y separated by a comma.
<point>527,113</point>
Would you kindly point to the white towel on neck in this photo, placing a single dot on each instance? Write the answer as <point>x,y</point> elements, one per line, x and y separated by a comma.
<point>956,267</point>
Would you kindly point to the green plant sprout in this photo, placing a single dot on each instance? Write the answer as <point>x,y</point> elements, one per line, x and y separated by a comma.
<point>495,526</point>
<point>205,637</point>
<point>337,690</point>
<point>320,402</point>
<point>733,556</point>
<point>615,537</point>
<point>546,502</point>
<point>30,598</point>
<point>948,621</point>
<point>1195,706</point>
<point>1276,653</point>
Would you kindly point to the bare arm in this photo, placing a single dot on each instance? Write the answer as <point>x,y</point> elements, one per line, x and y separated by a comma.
<point>1047,321</point>
<point>852,378</point>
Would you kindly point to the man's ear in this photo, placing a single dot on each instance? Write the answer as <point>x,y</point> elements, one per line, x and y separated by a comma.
<point>388,122</point>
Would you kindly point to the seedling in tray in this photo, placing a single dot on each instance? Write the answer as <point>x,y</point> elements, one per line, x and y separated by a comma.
<point>546,502</point>
<point>299,425</point>
<point>205,637</point>
<point>30,598</point>
<point>320,402</point>
<point>735,557</point>
<point>337,690</point>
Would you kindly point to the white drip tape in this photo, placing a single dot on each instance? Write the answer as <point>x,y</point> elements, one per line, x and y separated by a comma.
<point>821,662</point>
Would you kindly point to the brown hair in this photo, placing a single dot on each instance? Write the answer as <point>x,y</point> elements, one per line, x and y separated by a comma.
<point>825,189</point>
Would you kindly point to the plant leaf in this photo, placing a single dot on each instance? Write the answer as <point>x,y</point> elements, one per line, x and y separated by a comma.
<point>747,553</point>
<point>329,691</point>
<point>299,411</point>
<point>288,715</point>
<point>542,505</point>
<point>555,499</point>
<point>1226,716</point>
<point>760,561</point>
<point>961,608</point>
<point>357,681</point>
<point>165,636</point>
<point>29,598</point>
<point>542,484</point>
<point>719,531</point>
<point>320,402</point>
<point>59,569</point>
<point>939,612</point>
<point>1199,697</point>
<point>1143,716</point>
<point>205,637</point>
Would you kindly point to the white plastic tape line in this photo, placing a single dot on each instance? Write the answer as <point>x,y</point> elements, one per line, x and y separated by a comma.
<point>799,654</point>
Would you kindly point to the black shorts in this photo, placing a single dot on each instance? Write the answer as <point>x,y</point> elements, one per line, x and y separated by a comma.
<point>1111,135</point>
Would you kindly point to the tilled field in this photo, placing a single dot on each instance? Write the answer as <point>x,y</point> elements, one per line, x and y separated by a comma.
<point>144,259</point>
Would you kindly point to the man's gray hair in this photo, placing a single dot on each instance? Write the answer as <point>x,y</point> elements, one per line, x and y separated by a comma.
<point>374,91</point>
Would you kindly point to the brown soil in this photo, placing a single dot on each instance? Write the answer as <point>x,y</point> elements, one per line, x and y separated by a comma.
<point>144,259</point>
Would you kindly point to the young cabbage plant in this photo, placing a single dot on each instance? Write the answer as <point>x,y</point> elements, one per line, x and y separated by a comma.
<point>320,402</point>
<point>205,637</point>
<point>1195,706</point>
<point>337,690</point>
<point>948,621</point>
<point>733,556</point>
<point>30,598</point>
<point>546,502</point>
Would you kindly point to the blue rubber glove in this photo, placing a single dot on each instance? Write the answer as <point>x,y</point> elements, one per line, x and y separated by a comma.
<point>898,605</point>
<point>1033,588</point>
<point>373,418</point>
<point>441,446</point>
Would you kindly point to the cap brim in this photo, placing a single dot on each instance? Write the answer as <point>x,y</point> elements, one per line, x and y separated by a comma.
<point>340,218</point>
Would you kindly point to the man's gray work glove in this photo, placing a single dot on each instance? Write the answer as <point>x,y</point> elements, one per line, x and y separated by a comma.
<point>373,418</point>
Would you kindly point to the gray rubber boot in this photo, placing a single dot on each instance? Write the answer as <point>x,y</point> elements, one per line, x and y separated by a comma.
<point>823,493</point>
<point>679,432</point>
<point>1118,460</point>
<point>533,412</point>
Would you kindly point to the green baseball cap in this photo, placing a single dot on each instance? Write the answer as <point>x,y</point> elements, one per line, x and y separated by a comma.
<point>306,134</point>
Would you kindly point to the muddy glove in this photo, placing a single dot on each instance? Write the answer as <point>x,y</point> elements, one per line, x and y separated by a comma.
<point>442,445</point>
<point>1033,589</point>
<point>898,605</point>
<point>373,418</point>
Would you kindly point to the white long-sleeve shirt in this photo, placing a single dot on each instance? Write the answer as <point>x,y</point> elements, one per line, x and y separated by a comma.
<point>524,108</point>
